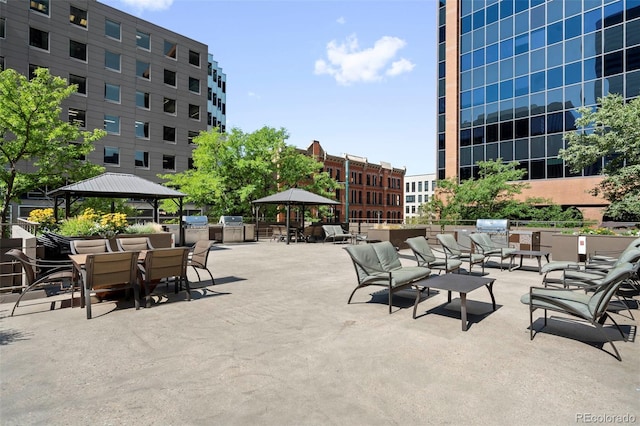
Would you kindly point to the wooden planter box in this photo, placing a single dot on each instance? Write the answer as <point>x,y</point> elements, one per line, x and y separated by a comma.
<point>565,247</point>
<point>395,236</point>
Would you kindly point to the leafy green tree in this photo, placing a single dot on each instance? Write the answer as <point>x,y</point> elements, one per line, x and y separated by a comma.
<point>491,196</point>
<point>37,149</point>
<point>231,170</point>
<point>611,131</point>
<point>478,198</point>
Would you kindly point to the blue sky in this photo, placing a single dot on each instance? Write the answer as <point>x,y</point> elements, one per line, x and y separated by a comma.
<point>359,76</point>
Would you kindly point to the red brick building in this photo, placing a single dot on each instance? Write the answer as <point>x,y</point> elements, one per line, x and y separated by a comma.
<point>372,192</point>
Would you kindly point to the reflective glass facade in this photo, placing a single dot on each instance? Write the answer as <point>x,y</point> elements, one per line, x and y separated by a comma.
<point>524,66</point>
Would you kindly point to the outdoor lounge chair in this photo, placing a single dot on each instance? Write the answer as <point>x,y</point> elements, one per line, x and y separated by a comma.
<point>106,272</point>
<point>454,251</point>
<point>42,273</point>
<point>379,264</point>
<point>612,256</point>
<point>590,306</point>
<point>425,257</point>
<point>335,233</point>
<point>486,246</point>
<point>199,256</point>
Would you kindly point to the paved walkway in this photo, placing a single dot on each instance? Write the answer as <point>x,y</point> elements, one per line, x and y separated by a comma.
<point>277,344</point>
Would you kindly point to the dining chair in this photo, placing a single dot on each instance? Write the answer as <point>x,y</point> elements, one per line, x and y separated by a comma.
<point>167,264</point>
<point>41,273</point>
<point>199,257</point>
<point>104,272</point>
<point>89,246</point>
<point>134,244</point>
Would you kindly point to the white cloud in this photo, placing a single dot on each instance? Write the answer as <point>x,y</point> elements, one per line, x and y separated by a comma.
<point>141,5</point>
<point>348,63</point>
<point>341,20</point>
<point>253,95</point>
<point>399,67</point>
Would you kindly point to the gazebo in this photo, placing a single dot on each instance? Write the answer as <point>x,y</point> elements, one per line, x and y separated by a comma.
<point>118,185</point>
<point>294,196</point>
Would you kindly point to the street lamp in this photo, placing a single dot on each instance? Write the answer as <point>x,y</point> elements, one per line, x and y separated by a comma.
<point>346,189</point>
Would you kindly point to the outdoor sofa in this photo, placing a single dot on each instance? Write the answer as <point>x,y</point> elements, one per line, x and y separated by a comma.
<point>379,264</point>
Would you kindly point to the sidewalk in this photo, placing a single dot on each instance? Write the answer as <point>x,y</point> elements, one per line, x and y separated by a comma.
<point>275,343</point>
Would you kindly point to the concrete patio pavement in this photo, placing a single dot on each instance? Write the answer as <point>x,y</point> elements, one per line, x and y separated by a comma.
<point>275,343</point>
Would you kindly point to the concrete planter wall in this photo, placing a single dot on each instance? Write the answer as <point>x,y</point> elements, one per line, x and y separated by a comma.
<point>395,236</point>
<point>565,247</point>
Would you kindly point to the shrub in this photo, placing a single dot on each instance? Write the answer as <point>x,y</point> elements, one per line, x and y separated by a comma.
<point>45,218</point>
<point>143,228</point>
<point>77,226</point>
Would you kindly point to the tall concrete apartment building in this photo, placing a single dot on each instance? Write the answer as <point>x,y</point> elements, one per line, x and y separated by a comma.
<point>418,189</point>
<point>511,74</point>
<point>372,192</point>
<point>151,89</point>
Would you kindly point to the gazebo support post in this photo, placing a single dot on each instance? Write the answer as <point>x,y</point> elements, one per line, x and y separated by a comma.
<point>288,220</point>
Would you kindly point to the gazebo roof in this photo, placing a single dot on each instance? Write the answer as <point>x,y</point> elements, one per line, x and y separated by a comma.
<point>295,196</point>
<point>117,185</point>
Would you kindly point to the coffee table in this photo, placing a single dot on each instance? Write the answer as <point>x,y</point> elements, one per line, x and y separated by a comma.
<point>463,284</point>
<point>537,253</point>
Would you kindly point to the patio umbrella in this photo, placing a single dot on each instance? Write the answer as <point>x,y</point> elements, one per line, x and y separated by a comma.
<point>294,196</point>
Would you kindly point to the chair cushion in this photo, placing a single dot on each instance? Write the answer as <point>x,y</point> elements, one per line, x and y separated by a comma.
<point>387,255</point>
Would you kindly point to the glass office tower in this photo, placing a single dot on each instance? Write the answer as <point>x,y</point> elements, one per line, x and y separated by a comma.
<point>511,74</point>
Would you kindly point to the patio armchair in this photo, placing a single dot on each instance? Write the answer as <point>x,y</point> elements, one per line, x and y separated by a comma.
<point>484,245</point>
<point>199,256</point>
<point>335,233</point>
<point>106,272</point>
<point>167,264</point>
<point>425,256</point>
<point>134,244</point>
<point>590,306</point>
<point>453,250</point>
<point>378,264</point>
<point>42,273</point>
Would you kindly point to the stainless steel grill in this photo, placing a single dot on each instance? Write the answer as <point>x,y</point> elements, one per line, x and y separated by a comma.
<point>232,229</point>
<point>498,229</point>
